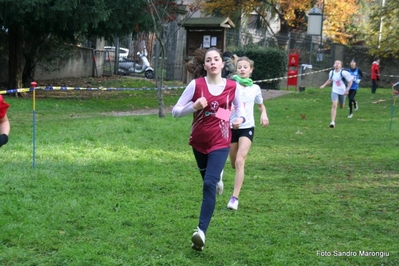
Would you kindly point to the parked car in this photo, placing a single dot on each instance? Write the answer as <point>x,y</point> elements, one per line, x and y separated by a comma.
<point>123,52</point>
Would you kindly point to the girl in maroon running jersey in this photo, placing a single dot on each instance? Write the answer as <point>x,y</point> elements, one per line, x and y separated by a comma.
<point>210,99</point>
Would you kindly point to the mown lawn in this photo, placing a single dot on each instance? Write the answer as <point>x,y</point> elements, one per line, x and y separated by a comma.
<point>124,190</point>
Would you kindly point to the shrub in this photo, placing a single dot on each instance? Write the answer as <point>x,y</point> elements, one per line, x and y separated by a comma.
<point>270,63</point>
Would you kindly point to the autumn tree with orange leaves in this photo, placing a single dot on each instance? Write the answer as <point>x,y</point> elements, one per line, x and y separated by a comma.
<point>292,14</point>
<point>382,31</point>
<point>339,16</point>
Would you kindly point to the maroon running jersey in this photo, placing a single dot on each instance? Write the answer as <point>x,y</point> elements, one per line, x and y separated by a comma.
<point>209,133</point>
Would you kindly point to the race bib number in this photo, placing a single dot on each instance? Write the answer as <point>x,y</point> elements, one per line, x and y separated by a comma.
<point>338,83</point>
<point>223,114</point>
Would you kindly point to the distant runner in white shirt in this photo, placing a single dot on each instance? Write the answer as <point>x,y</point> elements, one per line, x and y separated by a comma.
<point>241,140</point>
<point>339,89</point>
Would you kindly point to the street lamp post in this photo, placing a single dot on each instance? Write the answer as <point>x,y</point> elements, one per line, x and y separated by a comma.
<point>315,21</point>
<point>315,27</point>
<point>380,31</point>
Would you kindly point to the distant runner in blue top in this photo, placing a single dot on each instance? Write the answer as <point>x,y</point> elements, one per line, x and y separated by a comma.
<point>357,77</point>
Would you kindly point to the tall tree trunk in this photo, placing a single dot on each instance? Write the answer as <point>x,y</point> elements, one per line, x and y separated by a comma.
<point>15,57</point>
<point>159,78</point>
<point>283,34</point>
<point>28,72</point>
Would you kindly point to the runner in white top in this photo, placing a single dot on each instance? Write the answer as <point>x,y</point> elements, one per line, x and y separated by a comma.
<point>339,89</point>
<point>242,138</point>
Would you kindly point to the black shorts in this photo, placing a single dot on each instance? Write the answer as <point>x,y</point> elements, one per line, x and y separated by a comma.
<point>245,132</point>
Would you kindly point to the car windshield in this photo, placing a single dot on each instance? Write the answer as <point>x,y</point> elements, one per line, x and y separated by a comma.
<point>123,52</point>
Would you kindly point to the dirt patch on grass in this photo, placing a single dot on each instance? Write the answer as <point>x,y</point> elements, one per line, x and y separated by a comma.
<point>270,94</point>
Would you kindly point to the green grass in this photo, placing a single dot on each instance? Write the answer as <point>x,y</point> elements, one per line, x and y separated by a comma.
<point>125,190</point>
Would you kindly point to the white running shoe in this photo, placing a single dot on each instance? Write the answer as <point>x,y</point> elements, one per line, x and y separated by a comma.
<point>332,124</point>
<point>357,106</point>
<point>233,203</point>
<point>350,115</point>
<point>220,185</point>
<point>198,240</point>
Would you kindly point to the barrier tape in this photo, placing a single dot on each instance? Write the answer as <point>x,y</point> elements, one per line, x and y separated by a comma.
<point>389,76</point>
<point>182,87</point>
<point>15,91</point>
<point>62,88</point>
<point>51,88</point>
<point>107,89</point>
<point>294,76</point>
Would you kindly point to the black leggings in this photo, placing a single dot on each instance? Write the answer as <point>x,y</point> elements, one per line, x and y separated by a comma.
<point>351,96</point>
<point>210,166</point>
<point>373,86</point>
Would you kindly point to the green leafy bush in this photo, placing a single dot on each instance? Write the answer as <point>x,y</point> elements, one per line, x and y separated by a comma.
<point>270,63</point>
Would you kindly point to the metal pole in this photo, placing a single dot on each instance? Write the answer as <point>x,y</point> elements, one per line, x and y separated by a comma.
<point>33,86</point>
<point>321,36</point>
<point>116,64</point>
<point>392,110</point>
<point>380,32</point>
<point>311,50</point>
<point>322,22</point>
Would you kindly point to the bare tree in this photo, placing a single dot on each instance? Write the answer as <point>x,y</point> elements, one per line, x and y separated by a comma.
<point>163,12</point>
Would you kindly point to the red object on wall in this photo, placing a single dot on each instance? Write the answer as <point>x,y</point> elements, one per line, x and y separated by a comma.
<point>293,63</point>
<point>293,60</point>
<point>292,81</point>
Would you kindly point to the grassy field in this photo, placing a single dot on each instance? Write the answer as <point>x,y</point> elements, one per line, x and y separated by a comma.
<point>124,190</point>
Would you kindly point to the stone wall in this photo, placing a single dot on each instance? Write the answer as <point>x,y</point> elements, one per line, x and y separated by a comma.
<point>81,64</point>
<point>389,68</point>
